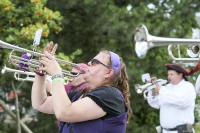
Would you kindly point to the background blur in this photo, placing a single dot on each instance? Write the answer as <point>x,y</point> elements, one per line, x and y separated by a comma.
<point>84,27</point>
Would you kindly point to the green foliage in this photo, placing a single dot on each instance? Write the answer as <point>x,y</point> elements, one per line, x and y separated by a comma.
<point>19,22</point>
<point>22,19</point>
<point>197,113</point>
<point>197,128</point>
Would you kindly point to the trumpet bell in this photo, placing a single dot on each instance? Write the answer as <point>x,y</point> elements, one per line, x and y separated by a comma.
<point>141,45</point>
<point>140,88</point>
<point>141,49</point>
<point>137,89</point>
<point>145,41</point>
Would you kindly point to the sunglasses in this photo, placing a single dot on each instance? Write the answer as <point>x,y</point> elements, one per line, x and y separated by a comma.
<point>95,61</point>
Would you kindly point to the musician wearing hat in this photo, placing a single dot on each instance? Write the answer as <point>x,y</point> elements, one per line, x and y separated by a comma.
<point>176,101</point>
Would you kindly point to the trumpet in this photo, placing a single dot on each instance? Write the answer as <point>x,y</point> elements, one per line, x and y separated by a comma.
<point>148,87</point>
<point>145,41</point>
<point>30,76</point>
<point>25,76</point>
<point>186,60</point>
<point>32,64</point>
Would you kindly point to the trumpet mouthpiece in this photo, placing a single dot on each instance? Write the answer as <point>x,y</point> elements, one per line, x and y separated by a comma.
<point>86,70</point>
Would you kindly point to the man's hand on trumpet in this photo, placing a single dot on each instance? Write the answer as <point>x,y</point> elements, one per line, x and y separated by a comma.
<point>156,90</point>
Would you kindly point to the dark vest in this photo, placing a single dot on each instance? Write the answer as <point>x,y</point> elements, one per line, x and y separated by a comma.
<point>115,124</point>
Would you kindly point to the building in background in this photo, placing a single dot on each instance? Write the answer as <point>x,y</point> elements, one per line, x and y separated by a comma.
<point>196,32</point>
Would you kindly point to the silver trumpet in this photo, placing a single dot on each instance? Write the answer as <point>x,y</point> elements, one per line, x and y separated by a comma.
<point>145,41</point>
<point>148,87</point>
<point>33,64</point>
<point>191,53</point>
<point>29,76</point>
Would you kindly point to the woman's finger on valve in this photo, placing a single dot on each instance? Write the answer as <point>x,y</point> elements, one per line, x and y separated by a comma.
<point>48,47</point>
<point>54,49</point>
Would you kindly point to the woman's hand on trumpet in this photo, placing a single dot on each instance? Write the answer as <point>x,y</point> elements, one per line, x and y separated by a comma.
<point>51,66</point>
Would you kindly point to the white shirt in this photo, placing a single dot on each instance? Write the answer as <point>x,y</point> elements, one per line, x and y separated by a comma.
<point>176,104</point>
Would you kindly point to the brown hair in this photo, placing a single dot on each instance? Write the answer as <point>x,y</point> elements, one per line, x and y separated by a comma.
<point>120,81</point>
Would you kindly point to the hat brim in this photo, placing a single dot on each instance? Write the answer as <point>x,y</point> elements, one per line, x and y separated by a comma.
<point>176,68</point>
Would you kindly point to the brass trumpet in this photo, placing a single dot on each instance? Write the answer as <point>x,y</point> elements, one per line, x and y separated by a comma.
<point>148,87</point>
<point>32,64</point>
<point>145,41</point>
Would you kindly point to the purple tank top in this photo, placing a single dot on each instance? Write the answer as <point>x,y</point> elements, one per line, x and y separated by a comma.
<point>115,124</point>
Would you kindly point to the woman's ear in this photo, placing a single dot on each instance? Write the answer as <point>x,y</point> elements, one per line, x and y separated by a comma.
<point>110,73</point>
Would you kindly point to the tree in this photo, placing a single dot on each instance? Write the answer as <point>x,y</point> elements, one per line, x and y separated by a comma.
<point>19,22</point>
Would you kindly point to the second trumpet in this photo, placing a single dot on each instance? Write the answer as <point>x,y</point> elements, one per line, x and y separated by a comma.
<point>20,75</point>
<point>148,87</point>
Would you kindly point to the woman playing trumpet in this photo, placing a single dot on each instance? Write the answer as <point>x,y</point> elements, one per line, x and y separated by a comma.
<point>105,108</point>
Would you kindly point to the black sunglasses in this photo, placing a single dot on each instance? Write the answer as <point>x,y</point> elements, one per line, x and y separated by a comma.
<point>95,61</point>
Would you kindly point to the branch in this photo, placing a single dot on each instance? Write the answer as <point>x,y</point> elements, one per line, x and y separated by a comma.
<point>17,108</point>
<point>14,116</point>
